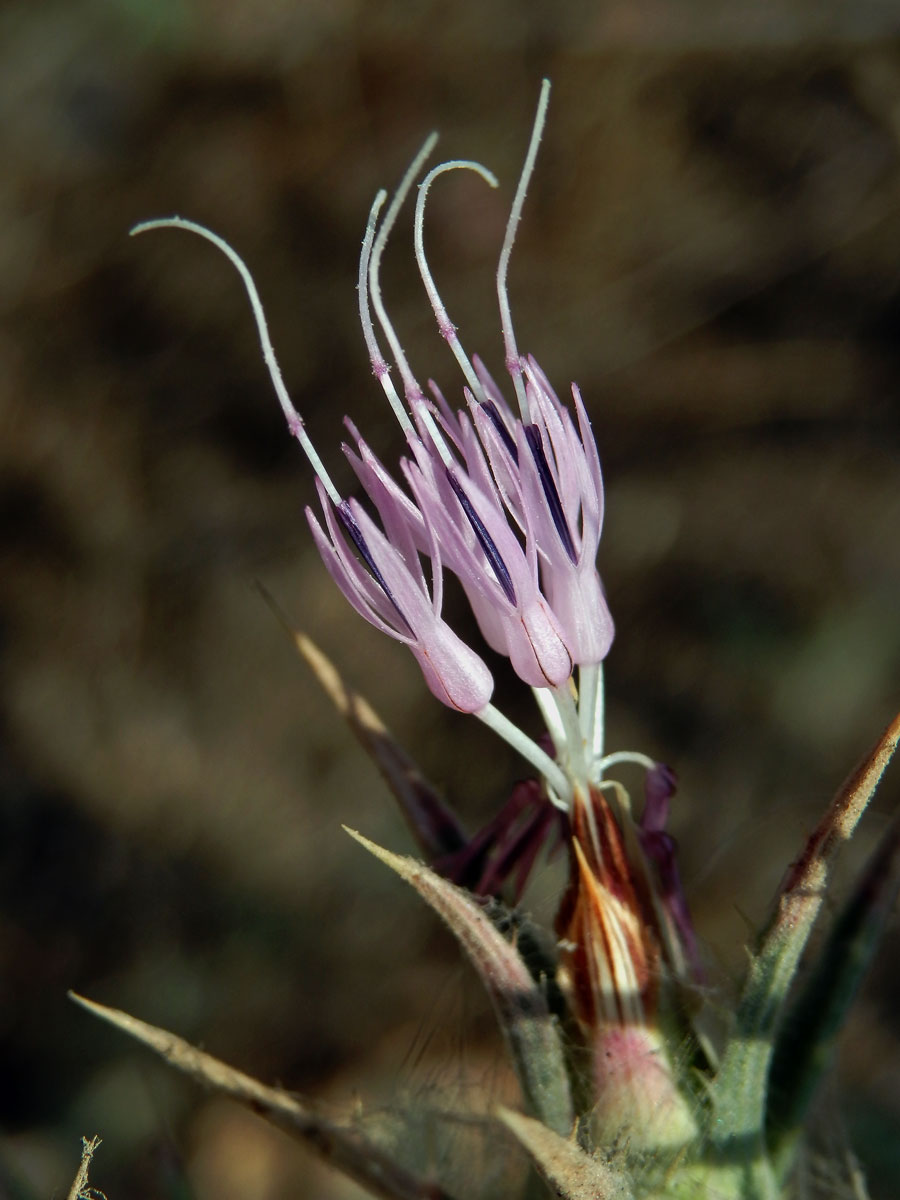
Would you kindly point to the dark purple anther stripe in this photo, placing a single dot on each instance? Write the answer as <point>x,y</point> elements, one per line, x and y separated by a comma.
<point>498,566</point>
<point>551,495</point>
<point>502,432</point>
<point>349,523</point>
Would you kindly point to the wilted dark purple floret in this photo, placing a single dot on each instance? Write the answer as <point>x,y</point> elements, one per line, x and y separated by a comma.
<point>508,846</point>
<point>660,784</point>
<point>661,849</point>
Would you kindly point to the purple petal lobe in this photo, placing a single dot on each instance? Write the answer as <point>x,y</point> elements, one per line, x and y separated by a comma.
<point>453,671</point>
<point>580,606</point>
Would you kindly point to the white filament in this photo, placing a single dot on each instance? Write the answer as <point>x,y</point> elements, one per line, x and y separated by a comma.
<point>379,366</point>
<point>410,384</point>
<point>293,418</point>
<point>446,326</point>
<point>376,358</point>
<point>509,337</point>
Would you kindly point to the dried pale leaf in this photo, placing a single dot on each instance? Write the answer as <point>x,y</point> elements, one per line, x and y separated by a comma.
<point>81,1189</point>
<point>521,1005</point>
<point>342,1147</point>
<point>573,1174</point>
<point>431,821</point>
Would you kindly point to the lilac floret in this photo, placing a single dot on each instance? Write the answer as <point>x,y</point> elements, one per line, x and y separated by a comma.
<point>572,583</point>
<point>498,574</point>
<point>508,499</point>
<point>391,594</point>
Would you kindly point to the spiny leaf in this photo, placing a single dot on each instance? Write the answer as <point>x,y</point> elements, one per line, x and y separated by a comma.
<point>521,1005</point>
<point>804,1049</point>
<point>740,1088</point>
<point>806,880</point>
<point>432,823</point>
<point>81,1189</point>
<point>573,1174</point>
<point>342,1147</point>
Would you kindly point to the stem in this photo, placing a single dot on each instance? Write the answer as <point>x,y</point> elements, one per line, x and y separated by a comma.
<point>598,729</point>
<point>550,713</point>
<point>529,750</point>
<point>588,676</point>
<point>574,741</point>
<point>624,756</point>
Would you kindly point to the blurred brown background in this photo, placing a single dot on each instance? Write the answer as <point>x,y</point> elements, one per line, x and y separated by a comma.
<point>711,247</point>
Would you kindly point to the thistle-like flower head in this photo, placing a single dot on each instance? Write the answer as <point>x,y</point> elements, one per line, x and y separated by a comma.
<point>622,951</point>
<point>509,501</point>
<point>506,494</point>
